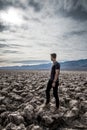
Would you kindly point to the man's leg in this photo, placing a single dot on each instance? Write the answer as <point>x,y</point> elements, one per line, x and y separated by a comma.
<point>49,86</point>
<point>55,93</point>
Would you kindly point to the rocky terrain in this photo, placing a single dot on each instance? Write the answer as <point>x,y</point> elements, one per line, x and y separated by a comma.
<point>22,96</point>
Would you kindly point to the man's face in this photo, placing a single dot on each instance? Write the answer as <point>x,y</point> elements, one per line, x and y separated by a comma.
<point>52,58</point>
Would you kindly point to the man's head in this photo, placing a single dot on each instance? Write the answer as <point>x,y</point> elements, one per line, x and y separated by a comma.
<point>53,56</point>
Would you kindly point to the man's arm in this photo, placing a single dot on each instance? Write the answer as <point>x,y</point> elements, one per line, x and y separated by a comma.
<point>56,76</point>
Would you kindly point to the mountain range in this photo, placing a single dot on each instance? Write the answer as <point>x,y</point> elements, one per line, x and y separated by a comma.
<point>67,65</point>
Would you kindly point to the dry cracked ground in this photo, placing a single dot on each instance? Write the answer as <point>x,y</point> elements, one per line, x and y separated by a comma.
<point>22,95</point>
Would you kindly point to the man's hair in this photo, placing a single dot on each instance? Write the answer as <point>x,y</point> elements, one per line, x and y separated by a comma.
<point>53,55</point>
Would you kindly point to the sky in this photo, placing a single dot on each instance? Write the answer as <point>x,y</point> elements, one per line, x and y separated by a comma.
<point>30,30</point>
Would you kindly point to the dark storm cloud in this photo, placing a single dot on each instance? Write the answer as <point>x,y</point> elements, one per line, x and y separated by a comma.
<point>78,32</point>
<point>66,5</point>
<point>74,5</point>
<point>2,27</point>
<point>77,9</point>
<point>4,3</point>
<point>71,34</point>
<point>2,45</point>
<point>7,3</point>
<point>35,4</point>
<point>77,14</point>
<point>22,4</point>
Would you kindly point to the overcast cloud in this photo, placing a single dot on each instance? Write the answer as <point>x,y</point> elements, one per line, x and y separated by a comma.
<point>32,29</point>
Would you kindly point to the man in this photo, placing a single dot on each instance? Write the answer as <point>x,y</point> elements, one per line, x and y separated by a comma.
<point>53,82</point>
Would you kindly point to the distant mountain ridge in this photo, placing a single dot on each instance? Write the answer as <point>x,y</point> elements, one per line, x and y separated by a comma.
<point>68,65</point>
<point>75,65</point>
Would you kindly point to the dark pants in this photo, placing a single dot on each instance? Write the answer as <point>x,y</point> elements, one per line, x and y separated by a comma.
<point>55,92</point>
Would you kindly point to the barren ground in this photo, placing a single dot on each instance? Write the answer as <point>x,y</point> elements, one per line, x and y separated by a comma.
<point>22,96</point>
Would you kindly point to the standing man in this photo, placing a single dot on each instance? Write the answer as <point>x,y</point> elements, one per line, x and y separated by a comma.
<point>53,82</point>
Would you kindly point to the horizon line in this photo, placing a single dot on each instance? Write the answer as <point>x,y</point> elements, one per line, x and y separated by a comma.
<point>34,64</point>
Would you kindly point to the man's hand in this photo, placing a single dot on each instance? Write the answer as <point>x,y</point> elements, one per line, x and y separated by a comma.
<point>53,84</point>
